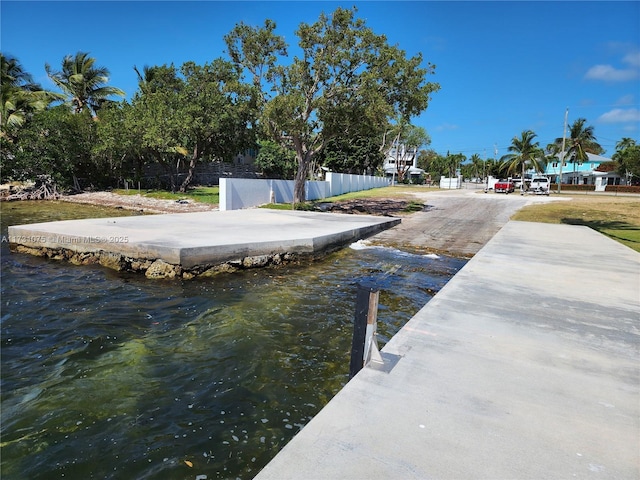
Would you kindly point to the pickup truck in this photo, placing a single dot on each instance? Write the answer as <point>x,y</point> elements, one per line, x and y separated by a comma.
<point>540,186</point>
<point>504,186</point>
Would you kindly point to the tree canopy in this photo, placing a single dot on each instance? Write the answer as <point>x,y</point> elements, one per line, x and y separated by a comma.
<point>82,82</point>
<point>524,154</point>
<point>346,76</point>
<point>628,158</point>
<point>345,99</point>
<point>21,97</point>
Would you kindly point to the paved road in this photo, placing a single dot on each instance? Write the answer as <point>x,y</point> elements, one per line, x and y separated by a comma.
<point>458,222</point>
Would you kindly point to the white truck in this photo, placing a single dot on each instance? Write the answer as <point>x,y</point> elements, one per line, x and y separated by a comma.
<point>539,185</point>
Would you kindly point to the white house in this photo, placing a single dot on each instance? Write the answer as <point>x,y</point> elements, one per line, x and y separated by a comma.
<point>404,159</point>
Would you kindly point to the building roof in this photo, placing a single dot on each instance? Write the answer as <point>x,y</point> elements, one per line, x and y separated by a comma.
<point>597,158</point>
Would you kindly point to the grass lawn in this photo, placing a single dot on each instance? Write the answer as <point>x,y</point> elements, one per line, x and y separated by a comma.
<point>400,192</point>
<point>616,217</point>
<point>198,194</point>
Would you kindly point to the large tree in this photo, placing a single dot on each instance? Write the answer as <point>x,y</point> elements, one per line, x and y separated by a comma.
<point>477,165</point>
<point>20,96</point>
<point>524,155</point>
<point>215,113</point>
<point>275,161</point>
<point>57,143</point>
<point>345,76</point>
<point>83,83</point>
<point>180,117</point>
<point>628,157</point>
<point>359,154</point>
<point>581,141</point>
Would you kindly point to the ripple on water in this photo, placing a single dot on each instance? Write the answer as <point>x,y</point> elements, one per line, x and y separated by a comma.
<point>110,375</point>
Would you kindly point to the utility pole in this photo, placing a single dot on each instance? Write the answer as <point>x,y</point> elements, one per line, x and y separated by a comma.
<point>564,141</point>
<point>484,165</point>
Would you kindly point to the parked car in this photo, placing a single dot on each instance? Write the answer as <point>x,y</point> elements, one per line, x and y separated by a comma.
<point>504,186</point>
<point>540,185</point>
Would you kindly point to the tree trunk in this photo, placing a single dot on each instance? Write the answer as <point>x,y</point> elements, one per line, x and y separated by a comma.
<point>187,180</point>
<point>299,189</point>
<point>192,168</point>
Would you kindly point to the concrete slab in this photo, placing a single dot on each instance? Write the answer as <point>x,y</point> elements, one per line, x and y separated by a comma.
<point>191,239</point>
<point>525,365</point>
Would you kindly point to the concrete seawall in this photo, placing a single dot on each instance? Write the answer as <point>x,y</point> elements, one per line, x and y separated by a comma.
<point>190,244</point>
<point>525,365</point>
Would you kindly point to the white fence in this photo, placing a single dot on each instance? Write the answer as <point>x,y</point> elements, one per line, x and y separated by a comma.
<point>238,193</point>
<point>344,183</point>
<point>450,183</point>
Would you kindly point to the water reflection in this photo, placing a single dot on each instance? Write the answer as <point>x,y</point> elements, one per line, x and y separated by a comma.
<point>111,375</point>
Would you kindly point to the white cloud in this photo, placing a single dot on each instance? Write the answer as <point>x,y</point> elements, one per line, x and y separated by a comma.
<point>620,115</point>
<point>632,59</point>
<point>446,127</point>
<point>626,100</point>
<point>611,74</point>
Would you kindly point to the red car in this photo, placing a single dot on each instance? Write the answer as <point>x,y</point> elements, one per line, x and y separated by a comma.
<point>504,186</point>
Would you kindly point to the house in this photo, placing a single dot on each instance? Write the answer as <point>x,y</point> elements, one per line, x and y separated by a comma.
<point>584,173</point>
<point>401,162</point>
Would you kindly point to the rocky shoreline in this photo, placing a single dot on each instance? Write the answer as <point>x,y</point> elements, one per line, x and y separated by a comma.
<point>156,268</point>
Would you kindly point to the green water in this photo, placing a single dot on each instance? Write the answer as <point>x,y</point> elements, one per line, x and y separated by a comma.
<point>111,375</point>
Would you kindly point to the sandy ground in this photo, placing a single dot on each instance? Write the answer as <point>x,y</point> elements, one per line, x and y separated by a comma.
<point>139,203</point>
<point>456,222</point>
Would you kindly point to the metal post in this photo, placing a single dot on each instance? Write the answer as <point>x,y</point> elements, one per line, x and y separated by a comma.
<point>364,323</point>
<point>564,141</point>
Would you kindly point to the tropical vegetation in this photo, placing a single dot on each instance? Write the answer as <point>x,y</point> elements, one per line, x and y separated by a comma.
<point>349,91</point>
<point>345,103</point>
<point>524,154</point>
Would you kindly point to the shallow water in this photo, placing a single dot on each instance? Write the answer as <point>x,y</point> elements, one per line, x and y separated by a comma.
<point>111,375</point>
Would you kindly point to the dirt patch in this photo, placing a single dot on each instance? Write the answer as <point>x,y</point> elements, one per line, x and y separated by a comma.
<point>139,203</point>
<point>374,206</point>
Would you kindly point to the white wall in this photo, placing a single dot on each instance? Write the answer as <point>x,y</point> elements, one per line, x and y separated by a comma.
<point>237,193</point>
<point>450,183</point>
<point>345,183</point>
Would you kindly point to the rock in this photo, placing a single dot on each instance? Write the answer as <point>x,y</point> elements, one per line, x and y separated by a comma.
<point>254,262</point>
<point>38,252</point>
<point>112,260</point>
<point>137,265</point>
<point>224,268</point>
<point>161,269</point>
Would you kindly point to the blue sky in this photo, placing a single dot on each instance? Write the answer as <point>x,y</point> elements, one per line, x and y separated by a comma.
<point>503,67</point>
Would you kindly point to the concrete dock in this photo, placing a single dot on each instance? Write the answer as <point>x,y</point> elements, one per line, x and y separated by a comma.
<point>525,365</point>
<point>193,240</point>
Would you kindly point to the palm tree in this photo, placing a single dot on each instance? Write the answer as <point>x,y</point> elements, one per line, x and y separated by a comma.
<point>82,82</point>
<point>476,162</point>
<point>19,95</point>
<point>580,142</point>
<point>524,154</point>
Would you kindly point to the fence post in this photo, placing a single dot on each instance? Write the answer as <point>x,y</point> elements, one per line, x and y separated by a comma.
<point>363,326</point>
